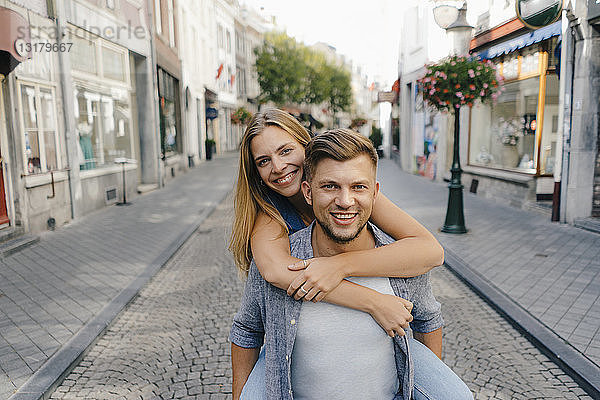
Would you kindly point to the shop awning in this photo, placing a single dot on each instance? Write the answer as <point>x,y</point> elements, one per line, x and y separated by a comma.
<point>519,42</point>
<point>14,40</point>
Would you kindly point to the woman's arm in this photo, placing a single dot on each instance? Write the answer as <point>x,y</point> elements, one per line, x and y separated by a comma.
<point>415,252</point>
<point>271,252</point>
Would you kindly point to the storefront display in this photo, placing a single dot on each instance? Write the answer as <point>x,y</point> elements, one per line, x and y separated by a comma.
<point>168,94</point>
<point>103,97</point>
<point>517,132</point>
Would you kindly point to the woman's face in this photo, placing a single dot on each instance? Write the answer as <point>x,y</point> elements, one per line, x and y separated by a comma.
<point>278,158</point>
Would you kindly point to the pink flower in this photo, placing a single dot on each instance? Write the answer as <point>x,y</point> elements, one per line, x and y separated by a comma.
<point>432,92</point>
<point>459,94</point>
<point>453,63</point>
<point>457,105</point>
<point>482,93</point>
<point>471,73</point>
<point>472,87</point>
<point>485,85</point>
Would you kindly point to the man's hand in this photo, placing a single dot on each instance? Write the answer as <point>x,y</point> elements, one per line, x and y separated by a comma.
<point>392,313</point>
<point>320,276</point>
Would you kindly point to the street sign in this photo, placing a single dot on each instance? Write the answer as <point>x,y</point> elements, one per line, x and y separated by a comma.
<point>538,13</point>
<point>593,10</point>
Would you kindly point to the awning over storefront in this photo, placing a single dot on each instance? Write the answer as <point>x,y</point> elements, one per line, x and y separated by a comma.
<point>15,40</point>
<point>519,42</point>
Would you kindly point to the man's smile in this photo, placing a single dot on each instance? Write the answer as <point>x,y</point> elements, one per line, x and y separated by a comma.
<point>343,218</point>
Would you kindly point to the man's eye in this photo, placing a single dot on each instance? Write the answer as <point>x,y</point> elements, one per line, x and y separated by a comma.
<point>360,187</point>
<point>330,186</point>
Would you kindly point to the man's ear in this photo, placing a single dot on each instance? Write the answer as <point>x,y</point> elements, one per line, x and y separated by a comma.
<point>307,192</point>
<point>376,190</point>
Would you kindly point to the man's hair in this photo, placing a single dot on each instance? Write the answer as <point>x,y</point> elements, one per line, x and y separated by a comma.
<point>339,145</point>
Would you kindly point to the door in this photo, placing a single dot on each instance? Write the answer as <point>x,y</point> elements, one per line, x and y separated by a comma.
<point>3,209</point>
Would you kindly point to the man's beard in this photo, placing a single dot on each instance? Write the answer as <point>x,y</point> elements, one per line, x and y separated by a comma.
<point>340,240</point>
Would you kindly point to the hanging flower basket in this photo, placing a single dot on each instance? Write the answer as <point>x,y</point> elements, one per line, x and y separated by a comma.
<point>458,81</point>
<point>241,116</point>
<point>357,123</point>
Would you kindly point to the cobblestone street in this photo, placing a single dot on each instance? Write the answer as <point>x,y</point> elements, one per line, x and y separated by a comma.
<point>172,340</point>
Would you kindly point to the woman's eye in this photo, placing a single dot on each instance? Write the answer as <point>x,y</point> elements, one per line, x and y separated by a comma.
<point>263,162</point>
<point>286,151</point>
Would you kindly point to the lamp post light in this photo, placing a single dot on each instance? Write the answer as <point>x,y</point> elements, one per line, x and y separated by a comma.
<point>460,32</point>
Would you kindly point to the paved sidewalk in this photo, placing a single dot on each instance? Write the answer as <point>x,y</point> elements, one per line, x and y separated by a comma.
<point>544,276</point>
<point>59,294</point>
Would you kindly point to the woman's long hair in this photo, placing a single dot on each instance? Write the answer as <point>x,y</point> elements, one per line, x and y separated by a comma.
<point>251,193</point>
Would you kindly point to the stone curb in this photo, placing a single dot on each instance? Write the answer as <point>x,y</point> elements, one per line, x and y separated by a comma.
<point>580,368</point>
<point>49,376</point>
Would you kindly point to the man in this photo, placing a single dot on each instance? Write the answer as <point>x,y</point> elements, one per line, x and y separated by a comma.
<point>320,350</point>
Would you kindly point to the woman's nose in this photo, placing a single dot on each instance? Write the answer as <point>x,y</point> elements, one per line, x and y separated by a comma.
<point>277,165</point>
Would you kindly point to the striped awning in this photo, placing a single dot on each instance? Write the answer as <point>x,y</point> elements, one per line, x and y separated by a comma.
<point>519,42</point>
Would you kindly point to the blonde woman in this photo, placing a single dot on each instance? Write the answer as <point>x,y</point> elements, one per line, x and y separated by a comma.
<point>269,205</point>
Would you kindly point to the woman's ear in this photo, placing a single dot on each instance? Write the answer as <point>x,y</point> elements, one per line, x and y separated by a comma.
<point>306,191</point>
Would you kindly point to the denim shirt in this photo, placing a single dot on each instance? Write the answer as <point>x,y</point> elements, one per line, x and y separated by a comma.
<point>267,314</point>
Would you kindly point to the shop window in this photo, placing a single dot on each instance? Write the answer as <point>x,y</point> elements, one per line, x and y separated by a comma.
<point>103,126</point>
<point>168,93</point>
<point>39,128</point>
<point>549,126</point>
<point>503,134</point>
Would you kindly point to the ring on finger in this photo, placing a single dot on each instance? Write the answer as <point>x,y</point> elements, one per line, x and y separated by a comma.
<point>304,263</point>
<point>303,290</point>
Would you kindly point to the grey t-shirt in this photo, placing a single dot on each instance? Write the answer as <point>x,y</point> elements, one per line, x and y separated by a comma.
<point>341,353</point>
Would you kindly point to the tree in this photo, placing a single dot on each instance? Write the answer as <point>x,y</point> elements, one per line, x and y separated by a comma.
<point>292,73</point>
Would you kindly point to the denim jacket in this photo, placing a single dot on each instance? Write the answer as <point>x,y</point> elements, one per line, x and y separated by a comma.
<point>267,314</point>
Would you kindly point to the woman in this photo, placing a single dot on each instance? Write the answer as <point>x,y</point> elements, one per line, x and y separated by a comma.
<point>269,205</point>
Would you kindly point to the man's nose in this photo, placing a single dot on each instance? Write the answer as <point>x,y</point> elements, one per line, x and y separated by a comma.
<point>344,199</point>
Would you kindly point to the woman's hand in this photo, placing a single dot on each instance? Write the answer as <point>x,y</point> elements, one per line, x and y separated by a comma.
<point>319,277</point>
<point>392,313</point>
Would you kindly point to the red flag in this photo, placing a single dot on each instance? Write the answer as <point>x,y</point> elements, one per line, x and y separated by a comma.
<point>372,86</point>
<point>232,79</point>
<point>219,71</point>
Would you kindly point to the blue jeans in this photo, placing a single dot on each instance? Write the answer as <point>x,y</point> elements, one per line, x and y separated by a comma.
<point>434,380</point>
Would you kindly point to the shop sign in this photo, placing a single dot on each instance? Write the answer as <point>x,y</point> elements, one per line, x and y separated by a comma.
<point>389,97</point>
<point>211,113</point>
<point>594,10</point>
<point>538,13</point>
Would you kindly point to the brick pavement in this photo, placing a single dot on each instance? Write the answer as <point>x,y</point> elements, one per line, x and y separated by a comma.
<point>171,341</point>
<point>49,291</point>
<point>550,270</point>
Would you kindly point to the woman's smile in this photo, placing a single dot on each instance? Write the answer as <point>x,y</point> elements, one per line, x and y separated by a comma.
<point>286,179</point>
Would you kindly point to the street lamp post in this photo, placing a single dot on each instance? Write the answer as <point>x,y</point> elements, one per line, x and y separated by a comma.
<point>460,32</point>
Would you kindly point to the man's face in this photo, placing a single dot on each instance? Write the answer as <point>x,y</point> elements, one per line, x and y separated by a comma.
<point>342,194</point>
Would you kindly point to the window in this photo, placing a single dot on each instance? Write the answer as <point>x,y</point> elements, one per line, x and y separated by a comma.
<point>220,36</point>
<point>103,126</point>
<point>110,4</point>
<point>158,17</point>
<point>171,16</point>
<point>39,128</point>
<point>83,55</point>
<point>503,134</point>
<point>168,94</point>
<point>228,42</point>
<point>113,64</point>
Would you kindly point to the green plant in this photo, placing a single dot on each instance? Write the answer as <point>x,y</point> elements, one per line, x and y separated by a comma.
<point>457,81</point>
<point>376,137</point>
<point>210,142</point>
<point>241,116</point>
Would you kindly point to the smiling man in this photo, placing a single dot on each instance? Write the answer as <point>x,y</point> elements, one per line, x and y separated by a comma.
<point>321,350</point>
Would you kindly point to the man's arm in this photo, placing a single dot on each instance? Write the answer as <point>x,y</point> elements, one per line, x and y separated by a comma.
<point>433,340</point>
<point>242,362</point>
